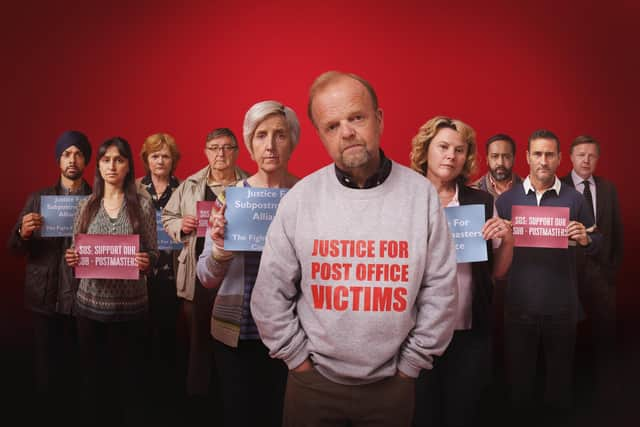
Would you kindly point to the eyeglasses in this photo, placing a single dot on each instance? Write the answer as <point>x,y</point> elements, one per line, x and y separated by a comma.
<point>224,148</point>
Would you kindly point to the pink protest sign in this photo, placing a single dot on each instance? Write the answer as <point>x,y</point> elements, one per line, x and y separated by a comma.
<point>203,211</point>
<point>540,226</point>
<point>107,256</point>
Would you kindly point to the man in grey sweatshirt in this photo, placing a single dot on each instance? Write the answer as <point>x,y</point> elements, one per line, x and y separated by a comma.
<point>356,290</point>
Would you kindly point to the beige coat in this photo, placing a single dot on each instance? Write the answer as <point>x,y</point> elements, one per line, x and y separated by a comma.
<point>183,202</point>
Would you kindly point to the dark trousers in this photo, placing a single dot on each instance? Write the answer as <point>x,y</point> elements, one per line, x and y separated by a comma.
<point>200,360</point>
<point>450,393</point>
<point>56,371</point>
<point>497,331</point>
<point>113,372</point>
<point>598,295</point>
<point>55,353</point>
<point>525,336</point>
<point>161,351</point>
<point>311,400</point>
<point>252,384</point>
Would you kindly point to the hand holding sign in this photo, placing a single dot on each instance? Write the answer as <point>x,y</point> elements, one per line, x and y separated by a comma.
<point>578,232</point>
<point>218,228</point>
<point>142,258</point>
<point>497,228</point>
<point>218,224</point>
<point>30,223</point>
<point>71,256</point>
<point>189,224</point>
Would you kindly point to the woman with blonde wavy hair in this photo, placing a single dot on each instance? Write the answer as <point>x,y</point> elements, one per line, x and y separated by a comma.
<point>444,151</point>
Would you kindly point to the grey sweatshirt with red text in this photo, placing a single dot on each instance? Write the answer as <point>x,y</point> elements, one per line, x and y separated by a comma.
<point>361,281</point>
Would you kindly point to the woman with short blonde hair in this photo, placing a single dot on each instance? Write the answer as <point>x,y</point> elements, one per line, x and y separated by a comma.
<point>160,156</point>
<point>444,151</point>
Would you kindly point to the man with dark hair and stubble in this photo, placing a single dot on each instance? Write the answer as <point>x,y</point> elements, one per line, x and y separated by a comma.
<point>501,154</point>
<point>541,300</point>
<point>49,287</point>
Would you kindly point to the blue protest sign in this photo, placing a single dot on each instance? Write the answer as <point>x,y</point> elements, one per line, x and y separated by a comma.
<point>164,241</point>
<point>465,223</point>
<point>249,214</point>
<point>58,213</point>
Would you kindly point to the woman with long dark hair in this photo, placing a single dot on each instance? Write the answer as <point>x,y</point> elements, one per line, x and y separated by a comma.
<point>110,313</point>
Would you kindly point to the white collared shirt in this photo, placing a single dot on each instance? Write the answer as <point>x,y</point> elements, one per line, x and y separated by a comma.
<point>528,187</point>
<point>579,185</point>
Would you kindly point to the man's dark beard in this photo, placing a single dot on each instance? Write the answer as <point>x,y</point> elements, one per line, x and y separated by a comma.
<point>506,175</point>
<point>73,176</point>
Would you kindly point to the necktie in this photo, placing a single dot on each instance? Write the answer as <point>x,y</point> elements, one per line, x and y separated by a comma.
<point>587,195</point>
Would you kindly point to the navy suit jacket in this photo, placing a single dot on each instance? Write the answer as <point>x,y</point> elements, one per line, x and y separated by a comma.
<point>609,224</point>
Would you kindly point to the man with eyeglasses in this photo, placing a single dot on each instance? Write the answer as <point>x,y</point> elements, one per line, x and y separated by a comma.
<point>180,220</point>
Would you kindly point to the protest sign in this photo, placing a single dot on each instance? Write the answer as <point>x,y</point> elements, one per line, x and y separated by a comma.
<point>107,256</point>
<point>465,223</point>
<point>58,213</point>
<point>164,241</point>
<point>540,226</point>
<point>203,212</point>
<point>249,214</point>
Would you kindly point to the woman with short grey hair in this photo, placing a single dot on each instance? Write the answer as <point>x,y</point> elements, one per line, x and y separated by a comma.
<point>260,111</point>
<point>252,383</point>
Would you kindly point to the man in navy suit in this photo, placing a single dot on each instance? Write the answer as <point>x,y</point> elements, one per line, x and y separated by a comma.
<point>596,273</point>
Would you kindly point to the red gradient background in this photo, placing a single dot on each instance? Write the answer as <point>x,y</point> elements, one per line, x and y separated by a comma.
<point>135,68</point>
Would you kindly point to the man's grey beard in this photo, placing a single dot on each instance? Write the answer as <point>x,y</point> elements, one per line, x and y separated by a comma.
<point>501,176</point>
